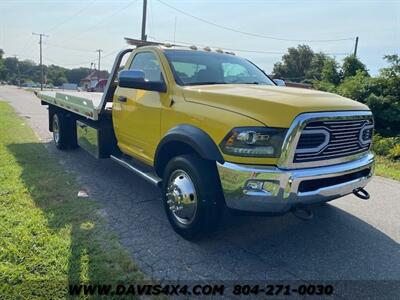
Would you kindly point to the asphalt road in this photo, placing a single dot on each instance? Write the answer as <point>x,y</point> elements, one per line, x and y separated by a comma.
<point>347,239</point>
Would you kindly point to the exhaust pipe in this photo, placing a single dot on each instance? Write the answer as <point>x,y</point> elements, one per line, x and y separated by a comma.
<point>361,193</point>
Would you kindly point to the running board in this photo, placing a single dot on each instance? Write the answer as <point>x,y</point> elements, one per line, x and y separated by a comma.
<point>138,168</point>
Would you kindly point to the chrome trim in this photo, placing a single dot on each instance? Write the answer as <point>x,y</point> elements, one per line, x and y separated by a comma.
<point>366,127</point>
<point>56,129</point>
<point>292,137</point>
<point>88,138</point>
<point>152,178</point>
<point>282,192</point>
<point>320,147</point>
<point>182,197</point>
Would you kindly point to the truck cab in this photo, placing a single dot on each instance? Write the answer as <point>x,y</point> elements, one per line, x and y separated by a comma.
<point>213,131</point>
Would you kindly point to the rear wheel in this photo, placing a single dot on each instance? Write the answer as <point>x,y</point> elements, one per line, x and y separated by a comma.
<point>192,196</point>
<point>59,137</point>
<point>64,131</point>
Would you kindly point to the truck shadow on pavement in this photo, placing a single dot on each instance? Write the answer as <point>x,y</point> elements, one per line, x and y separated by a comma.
<point>94,254</point>
<point>335,245</point>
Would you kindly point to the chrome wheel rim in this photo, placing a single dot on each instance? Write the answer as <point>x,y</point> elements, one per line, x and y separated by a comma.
<point>181,197</point>
<point>56,130</point>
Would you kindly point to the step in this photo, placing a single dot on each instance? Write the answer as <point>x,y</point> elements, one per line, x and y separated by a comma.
<point>139,168</point>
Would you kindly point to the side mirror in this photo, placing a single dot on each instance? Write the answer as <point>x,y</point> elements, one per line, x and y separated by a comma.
<point>135,79</point>
<point>279,82</point>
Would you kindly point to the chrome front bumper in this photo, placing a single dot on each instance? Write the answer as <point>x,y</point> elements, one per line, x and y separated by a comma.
<point>274,190</point>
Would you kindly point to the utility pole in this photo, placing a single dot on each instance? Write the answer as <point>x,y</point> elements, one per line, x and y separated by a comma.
<point>18,72</point>
<point>41,35</point>
<point>355,47</point>
<point>99,50</point>
<point>144,36</point>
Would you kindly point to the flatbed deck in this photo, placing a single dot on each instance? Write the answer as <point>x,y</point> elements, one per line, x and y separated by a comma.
<point>87,104</point>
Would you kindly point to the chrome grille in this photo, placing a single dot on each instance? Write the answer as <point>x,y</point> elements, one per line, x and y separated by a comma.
<point>343,138</point>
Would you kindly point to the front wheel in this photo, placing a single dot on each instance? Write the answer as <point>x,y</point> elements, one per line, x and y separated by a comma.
<point>192,196</point>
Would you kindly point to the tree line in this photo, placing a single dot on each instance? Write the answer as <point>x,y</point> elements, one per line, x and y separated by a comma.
<point>349,79</point>
<point>300,64</point>
<point>15,71</point>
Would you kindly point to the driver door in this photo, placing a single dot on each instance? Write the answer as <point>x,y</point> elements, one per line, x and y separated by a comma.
<point>137,112</point>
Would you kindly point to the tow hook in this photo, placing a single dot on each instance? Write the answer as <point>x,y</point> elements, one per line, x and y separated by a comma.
<point>303,213</point>
<point>361,193</point>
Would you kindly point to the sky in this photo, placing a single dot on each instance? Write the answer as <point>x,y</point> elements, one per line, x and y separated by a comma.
<point>258,30</point>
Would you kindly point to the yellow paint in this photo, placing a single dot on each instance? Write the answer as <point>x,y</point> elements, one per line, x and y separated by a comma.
<point>142,121</point>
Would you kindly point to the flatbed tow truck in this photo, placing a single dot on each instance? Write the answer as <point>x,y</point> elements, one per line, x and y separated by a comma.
<point>213,131</point>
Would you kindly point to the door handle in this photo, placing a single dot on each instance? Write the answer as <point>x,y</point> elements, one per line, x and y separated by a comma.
<point>122,99</point>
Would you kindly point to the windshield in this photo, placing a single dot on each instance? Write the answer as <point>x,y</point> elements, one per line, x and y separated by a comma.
<point>192,67</point>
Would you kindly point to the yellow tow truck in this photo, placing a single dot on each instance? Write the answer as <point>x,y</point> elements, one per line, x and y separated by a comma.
<point>213,131</point>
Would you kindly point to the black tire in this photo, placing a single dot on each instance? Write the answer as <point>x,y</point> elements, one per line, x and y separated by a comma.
<point>59,131</point>
<point>64,131</point>
<point>72,139</point>
<point>209,208</point>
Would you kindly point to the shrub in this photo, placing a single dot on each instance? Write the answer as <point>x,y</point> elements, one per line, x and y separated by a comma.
<point>357,87</point>
<point>394,153</point>
<point>384,146</point>
<point>386,112</point>
<point>324,86</point>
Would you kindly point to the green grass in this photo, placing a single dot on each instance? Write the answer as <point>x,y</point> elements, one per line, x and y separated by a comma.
<point>49,237</point>
<point>387,168</point>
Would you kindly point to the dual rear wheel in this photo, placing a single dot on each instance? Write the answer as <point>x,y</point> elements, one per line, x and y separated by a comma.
<point>64,131</point>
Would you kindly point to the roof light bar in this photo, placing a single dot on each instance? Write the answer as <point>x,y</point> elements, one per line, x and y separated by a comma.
<point>141,43</point>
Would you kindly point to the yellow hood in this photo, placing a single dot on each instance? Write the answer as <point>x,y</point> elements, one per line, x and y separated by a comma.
<point>272,105</point>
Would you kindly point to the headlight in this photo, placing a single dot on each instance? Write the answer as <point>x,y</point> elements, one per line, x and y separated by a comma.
<point>254,141</point>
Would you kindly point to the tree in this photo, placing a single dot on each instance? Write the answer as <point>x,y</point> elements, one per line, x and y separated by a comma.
<point>386,110</point>
<point>351,64</point>
<point>2,68</point>
<point>391,76</point>
<point>29,71</point>
<point>356,87</point>
<point>56,75</point>
<point>294,64</point>
<point>11,69</point>
<point>317,64</point>
<point>394,69</point>
<point>330,71</point>
<point>76,75</point>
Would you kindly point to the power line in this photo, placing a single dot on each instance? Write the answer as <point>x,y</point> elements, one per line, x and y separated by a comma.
<point>105,20</point>
<point>70,18</point>
<point>51,45</point>
<point>70,64</point>
<point>111,53</point>
<point>82,62</point>
<point>27,49</point>
<point>250,33</point>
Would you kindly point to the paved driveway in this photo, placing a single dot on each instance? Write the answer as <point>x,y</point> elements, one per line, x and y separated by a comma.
<point>347,239</point>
